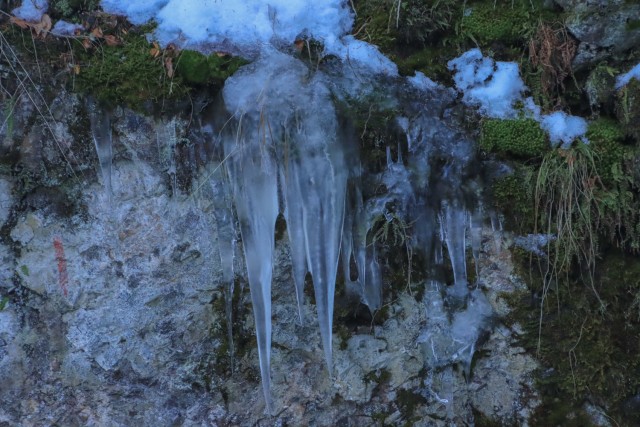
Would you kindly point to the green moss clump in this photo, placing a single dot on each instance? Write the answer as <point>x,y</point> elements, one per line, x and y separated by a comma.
<point>126,74</point>
<point>69,9</point>
<point>519,137</point>
<point>199,69</point>
<point>513,196</point>
<point>606,137</point>
<point>488,22</point>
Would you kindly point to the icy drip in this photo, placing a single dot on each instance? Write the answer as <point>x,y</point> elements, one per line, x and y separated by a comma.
<point>166,140</point>
<point>294,214</point>
<point>454,219</point>
<point>475,231</point>
<point>253,175</point>
<point>102,139</point>
<point>223,215</point>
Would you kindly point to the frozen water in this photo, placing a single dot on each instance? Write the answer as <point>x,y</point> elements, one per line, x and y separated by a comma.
<point>102,139</point>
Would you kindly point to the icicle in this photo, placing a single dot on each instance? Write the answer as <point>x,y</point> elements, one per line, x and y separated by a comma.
<point>226,242</point>
<point>102,139</point>
<point>254,177</point>
<point>454,227</point>
<point>322,179</point>
<point>475,225</point>
<point>166,140</point>
<point>294,214</point>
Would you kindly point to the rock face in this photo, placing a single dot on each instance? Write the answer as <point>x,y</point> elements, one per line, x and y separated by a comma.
<point>113,308</point>
<point>602,27</point>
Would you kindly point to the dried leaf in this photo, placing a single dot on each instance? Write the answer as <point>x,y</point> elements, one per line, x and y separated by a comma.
<point>111,40</point>
<point>299,45</point>
<point>86,43</point>
<point>221,54</point>
<point>76,69</point>
<point>42,27</point>
<point>168,65</point>
<point>154,52</point>
<point>97,32</point>
<point>19,22</point>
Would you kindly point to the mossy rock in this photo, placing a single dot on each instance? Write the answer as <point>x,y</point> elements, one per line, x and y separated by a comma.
<point>518,137</point>
<point>599,86</point>
<point>199,69</point>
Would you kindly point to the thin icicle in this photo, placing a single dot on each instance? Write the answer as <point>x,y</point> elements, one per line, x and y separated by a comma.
<point>294,213</point>
<point>101,133</point>
<point>475,227</point>
<point>454,227</point>
<point>222,202</point>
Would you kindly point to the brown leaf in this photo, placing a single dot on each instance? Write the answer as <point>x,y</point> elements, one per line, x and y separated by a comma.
<point>221,54</point>
<point>97,32</point>
<point>42,27</point>
<point>19,22</point>
<point>86,43</point>
<point>76,69</point>
<point>168,65</point>
<point>112,40</point>
<point>299,45</point>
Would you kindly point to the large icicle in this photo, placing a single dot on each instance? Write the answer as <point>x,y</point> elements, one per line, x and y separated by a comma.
<point>254,178</point>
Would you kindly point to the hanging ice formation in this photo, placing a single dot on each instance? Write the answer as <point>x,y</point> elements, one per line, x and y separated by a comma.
<point>285,150</point>
<point>102,139</point>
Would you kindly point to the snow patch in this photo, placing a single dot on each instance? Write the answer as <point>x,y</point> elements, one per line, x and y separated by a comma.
<point>624,79</point>
<point>31,10</point>
<point>563,128</point>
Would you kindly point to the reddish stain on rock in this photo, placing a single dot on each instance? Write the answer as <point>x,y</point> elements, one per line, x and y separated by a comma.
<point>63,277</point>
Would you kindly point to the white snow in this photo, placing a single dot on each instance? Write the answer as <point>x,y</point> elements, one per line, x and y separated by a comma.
<point>625,78</point>
<point>563,128</point>
<point>492,86</point>
<point>495,87</point>
<point>64,28</point>
<point>31,10</point>
<point>421,81</point>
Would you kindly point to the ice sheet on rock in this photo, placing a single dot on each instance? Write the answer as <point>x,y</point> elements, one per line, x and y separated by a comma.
<point>451,336</point>
<point>101,132</point>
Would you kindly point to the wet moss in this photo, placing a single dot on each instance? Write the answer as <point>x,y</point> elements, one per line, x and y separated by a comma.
<point>518,137</point>
<point>504,22</point>
<point>127,74</point>
<point>628,108</point>
<point>196,68</point>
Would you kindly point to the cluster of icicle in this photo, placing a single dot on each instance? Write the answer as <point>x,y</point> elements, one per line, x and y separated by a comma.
<point>284,150</point>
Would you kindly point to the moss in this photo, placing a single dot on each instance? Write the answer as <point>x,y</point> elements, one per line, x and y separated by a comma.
<point>606,137</point>
<point>70,9</point>
<point>127,74</point>
<point>408,401</point>
<point>199,69</point>
<point>633,25</point>
<point>505,22</point>
<point>586,353</point>
<point>628,108</point>
<point>519,137</point>
<point>513,196</point>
